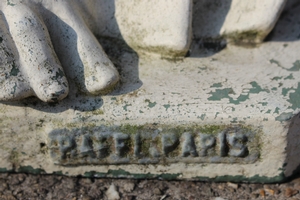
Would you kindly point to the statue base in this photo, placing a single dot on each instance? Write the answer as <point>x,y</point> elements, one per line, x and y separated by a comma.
<point>227,116</point>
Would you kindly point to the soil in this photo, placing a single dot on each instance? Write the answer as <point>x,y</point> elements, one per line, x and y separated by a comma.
<point>28,186</point>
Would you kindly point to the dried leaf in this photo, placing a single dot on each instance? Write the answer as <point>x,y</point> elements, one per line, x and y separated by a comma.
<point>270,191</point>
<point>262,193</point>
<point>289,192</point>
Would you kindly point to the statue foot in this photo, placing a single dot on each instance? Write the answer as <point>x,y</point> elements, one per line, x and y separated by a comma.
<point>43,42</point>
<point>29,66</point>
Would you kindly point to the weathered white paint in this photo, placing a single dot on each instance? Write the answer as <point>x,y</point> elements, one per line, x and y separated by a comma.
<point>206,91</point>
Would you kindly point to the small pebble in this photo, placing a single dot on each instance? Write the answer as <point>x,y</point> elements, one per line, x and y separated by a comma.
<point>221,186</point>
<point>233,185</point>
<point>128,187</point>
<point>157,191</point>
<point>219,198</point>
<point>112,193</point>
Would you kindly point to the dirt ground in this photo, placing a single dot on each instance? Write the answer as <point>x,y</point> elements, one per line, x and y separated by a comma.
<point>27,186</point>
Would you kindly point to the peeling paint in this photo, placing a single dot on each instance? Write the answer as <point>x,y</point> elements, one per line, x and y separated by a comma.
<point>150,104</point>
<point>296,66</point>
<point>294,98</point>
<point>284,116</point>
<point>167,106</point>
<point>224,93</point>
<point>216,85</point>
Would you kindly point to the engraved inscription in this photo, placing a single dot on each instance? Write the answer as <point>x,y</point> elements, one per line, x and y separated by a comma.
<point>153,145</point>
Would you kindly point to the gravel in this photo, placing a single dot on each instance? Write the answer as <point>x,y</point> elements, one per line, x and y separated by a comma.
<point>28,186</point>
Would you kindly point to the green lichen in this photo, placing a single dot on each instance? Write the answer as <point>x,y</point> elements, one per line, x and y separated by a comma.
<point>120,173</point>
<point>130,129</point>
<point>246,37</point>
<point>98,112</point>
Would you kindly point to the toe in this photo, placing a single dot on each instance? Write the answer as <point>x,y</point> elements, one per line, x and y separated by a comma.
<point>37,57</point>
<point>13,85</point>
<point>100,77</point>
<point>81,55</point>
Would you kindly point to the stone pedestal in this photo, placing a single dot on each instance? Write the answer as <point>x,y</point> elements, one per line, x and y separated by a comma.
<point>229,115</point>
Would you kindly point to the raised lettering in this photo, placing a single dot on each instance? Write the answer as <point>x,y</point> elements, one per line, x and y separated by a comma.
<point>236,142</point>
<point>86,147</point>
<point>153,145</point>
<point>66,145</point>
<point>169,142</point>
<point>120,147</point>
<point>206,142</point>
<point>101,146</point>
<point>188,147</point>
<point>223,149</point>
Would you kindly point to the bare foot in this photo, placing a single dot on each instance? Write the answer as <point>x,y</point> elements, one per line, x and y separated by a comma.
<point>43,42</point>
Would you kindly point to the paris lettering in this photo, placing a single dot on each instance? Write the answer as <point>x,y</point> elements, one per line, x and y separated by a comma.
<point>103,145</point>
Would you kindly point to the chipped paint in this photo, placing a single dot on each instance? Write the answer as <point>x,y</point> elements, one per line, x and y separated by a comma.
<point>294,98</point>
<point>150,104</point>
<point>220,94</point>
<point>216,85</point>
